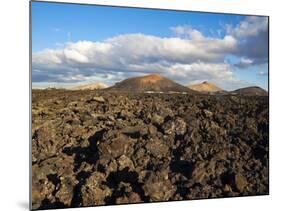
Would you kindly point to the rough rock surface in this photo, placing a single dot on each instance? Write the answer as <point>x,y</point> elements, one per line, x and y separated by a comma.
<point>93,148</point>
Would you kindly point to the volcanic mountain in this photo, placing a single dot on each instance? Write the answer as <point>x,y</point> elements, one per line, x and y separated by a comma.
<point>91,86</point>
<point>252,90</point>
<point>206,87</point>
<point>153,82</point>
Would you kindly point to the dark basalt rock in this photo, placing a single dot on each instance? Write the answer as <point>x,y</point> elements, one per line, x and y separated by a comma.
<point>94,148</point>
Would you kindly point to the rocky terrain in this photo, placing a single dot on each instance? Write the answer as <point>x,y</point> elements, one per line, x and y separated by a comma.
<point>94,147</point>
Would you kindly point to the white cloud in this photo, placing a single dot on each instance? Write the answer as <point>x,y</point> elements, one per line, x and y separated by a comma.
<point>135,48</point>
<point>187,32</point>
<point>244,63</point>
<point>47,57</point>
<point>75,56</point>
<point>136,54</point>
<point>189,56</point>
<point>252,37</point>
<point>251,26</point>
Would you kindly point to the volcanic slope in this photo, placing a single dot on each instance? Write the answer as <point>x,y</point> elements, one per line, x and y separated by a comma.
<point>206,87</point>
<point>252,90</point>
<point>91,86</point>
<point>153,82</point>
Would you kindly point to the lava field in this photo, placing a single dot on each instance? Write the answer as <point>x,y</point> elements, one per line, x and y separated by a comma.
<point>98,148</point>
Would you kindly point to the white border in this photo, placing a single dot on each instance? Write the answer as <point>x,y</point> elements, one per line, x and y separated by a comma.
<point>14,106</point>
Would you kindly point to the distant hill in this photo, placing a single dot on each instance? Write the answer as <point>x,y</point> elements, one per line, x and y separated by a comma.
<point>153,82</point>
<point>92,86</point>
<point>252,90</point>
<point>206,87</point>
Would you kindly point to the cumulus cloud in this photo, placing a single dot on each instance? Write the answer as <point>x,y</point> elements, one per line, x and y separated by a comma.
<point>134,53</point>
<point>244,63</point>
<point>252,37</point>
<point>250,27</point>
<point>187,32</point>
<point>186,57</point>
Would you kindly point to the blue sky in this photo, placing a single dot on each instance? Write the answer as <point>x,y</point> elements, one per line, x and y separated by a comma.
<point>63,34</point>
<point>52,22</point>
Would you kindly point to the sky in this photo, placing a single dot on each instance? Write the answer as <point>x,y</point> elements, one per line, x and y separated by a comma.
<point>76,44</point>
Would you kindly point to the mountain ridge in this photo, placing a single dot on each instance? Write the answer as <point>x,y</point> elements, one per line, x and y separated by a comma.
<point>251,90</point>
<point>90,86</point>
<point>152,82</point>
<point>206,87</point>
